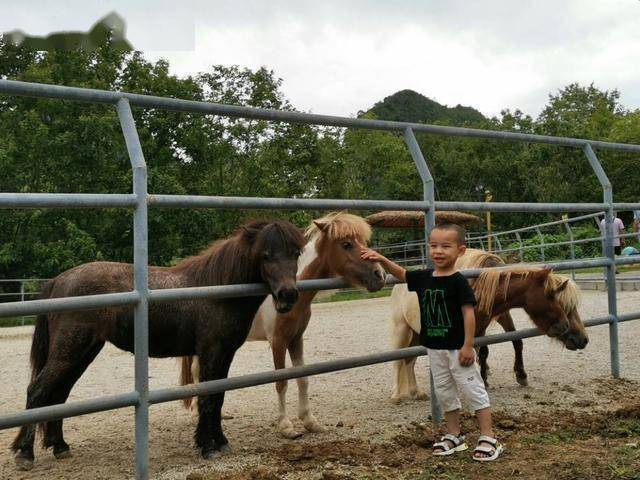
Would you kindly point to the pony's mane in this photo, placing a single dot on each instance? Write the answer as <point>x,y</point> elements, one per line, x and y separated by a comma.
<point>487,284</point>
<point>229,260</point>
<point>474,258</point>
<point>340,225</point>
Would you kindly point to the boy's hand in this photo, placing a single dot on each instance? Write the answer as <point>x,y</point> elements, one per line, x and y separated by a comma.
<point>467,356</point>
<point>372,255</point>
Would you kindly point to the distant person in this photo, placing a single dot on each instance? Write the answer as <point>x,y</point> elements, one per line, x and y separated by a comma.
<point>618,228</point>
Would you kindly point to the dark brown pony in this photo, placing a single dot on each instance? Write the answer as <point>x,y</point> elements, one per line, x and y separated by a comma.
<point>550,301</point>
<point>64,344</point>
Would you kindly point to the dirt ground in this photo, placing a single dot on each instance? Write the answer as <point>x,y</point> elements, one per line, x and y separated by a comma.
<point>572,422</point>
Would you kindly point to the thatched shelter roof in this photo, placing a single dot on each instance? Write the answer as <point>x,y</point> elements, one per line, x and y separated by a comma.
<point>409,219</point>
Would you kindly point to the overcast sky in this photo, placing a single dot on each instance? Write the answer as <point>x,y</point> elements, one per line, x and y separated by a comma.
<point>338,57</point>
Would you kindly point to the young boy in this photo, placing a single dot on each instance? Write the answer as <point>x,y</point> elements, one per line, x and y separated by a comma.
<point>447,330</point>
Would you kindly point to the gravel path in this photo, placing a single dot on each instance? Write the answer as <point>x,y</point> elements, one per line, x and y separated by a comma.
<point>352,404</point>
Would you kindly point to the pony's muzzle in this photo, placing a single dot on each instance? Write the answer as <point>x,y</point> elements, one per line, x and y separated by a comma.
<point>574,341</point>
<point>376,280</point>
<point>285,298</point>
<point>559,329</point>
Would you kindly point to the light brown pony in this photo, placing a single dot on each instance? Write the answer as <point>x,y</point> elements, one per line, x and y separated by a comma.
<point>332,250</point>
<point>550,300</point>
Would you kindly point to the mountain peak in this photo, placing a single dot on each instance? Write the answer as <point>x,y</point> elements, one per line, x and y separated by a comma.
<point>410,106</point>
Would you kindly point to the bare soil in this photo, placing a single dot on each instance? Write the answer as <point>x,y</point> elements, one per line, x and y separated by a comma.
<point>573,422</point>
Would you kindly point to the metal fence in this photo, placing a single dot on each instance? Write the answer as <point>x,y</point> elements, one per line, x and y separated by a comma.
<point>140,200</point>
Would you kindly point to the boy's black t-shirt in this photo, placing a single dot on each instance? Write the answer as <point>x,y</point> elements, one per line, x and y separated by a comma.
<point>441,300</point>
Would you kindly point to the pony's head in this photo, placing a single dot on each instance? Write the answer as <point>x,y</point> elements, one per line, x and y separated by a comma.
<point>275,247</point>
<point>542,304</point>
<point>528,288</point>
<point>338,238</point>
<point>575,338</point>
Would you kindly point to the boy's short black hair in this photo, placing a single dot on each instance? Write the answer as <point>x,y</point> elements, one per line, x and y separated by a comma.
<point>461,233</point>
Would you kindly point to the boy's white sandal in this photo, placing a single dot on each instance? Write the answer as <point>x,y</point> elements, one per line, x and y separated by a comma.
<point>445,448</point>
<point>492,452</point>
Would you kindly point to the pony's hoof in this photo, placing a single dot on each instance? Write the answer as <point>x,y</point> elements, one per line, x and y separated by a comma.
<point>63,454</point>
<point>285,427</point>
<point>313,426</point>
<point>210,454</point>
<point>523,381</point>
<point>396,399</point>
<point>214,450</point>
<point>24,461</point>
<point>62,451</point>
<point>421,395</point>
<point>291,434</point>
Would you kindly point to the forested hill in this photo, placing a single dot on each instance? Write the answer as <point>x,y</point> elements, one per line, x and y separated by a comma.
<point>410,106</point>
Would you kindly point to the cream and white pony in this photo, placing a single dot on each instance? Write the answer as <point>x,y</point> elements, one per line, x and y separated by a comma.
<point>332,250</point>
<point>497,292</point>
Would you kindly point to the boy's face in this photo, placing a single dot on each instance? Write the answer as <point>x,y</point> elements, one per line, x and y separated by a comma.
<point>444,248</point>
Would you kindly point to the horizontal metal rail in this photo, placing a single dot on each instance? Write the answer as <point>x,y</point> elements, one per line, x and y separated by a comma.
<point>191,201</point>
<point>520,207</point>
<point>102,96</point>
<point>66,304</point>
<point>56,412</point>
<point>217,386</point>
<point>66,200</point>
<point>71,409</point>
<point>93,302</point>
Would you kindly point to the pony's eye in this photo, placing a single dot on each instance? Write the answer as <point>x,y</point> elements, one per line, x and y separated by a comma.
<point>347,245</point>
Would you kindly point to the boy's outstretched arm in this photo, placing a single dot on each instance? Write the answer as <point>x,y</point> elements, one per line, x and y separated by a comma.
<point>467,354</point>
<point>391,267</point>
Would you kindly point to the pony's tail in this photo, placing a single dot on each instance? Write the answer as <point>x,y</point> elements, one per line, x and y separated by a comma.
<point>40,342</point>
<point>186,378</point>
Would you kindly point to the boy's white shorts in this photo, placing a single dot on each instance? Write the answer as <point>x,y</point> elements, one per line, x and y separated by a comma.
<point>450,378</point>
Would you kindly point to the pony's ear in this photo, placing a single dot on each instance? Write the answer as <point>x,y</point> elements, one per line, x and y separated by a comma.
<point>249,233</point>
<point>321,225</point>
<point>543,274</point>
<point>562,286</point>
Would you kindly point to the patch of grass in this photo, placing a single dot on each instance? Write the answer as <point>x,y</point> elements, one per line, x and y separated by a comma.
<point>551,438</point>
<point>622,428</point>
<point>354,295</point>
<point>16,321</point>
<point>627,464</point>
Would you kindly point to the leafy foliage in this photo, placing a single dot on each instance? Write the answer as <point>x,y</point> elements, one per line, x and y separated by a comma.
<point>56,146</point>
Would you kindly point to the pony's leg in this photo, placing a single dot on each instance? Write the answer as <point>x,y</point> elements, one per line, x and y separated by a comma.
<point>285,425</point>
<point>214,364</point>
<point>414,392</point>
<point>401,337</point>
<point>518,367</point>
<point>53,436</point>
<point>296,352</point>
<point>63,364</point>
<point>195,373</point>
<point>483,355</point>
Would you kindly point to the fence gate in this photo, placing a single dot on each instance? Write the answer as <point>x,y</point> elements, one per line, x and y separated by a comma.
<point>140,200</point>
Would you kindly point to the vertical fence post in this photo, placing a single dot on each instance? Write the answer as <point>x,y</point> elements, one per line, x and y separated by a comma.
<point>141,285</point>
<point>22,300</point>
<point>607,192</point>
<point>520,249</point>
<point>569,230</point>
<point>428,191</point>
<point>541,237</point>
